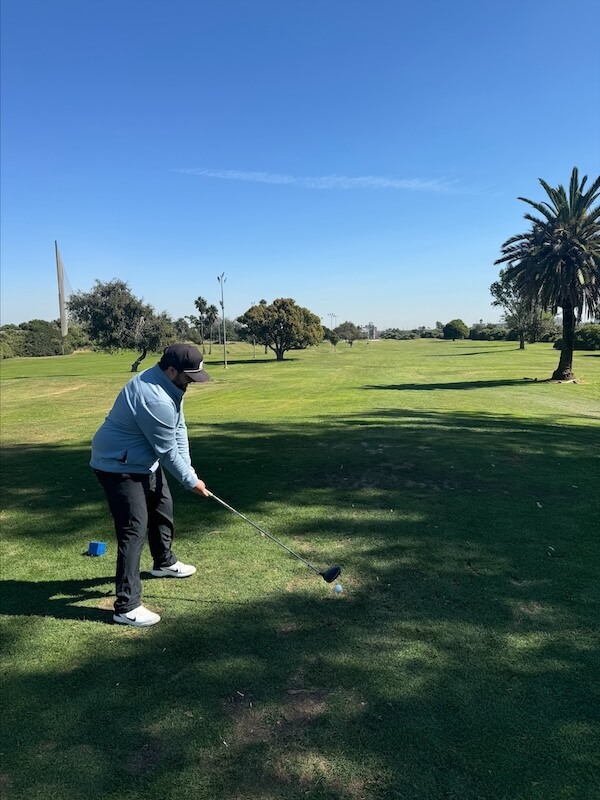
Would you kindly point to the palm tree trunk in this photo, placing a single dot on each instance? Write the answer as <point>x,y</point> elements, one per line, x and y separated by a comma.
<point>564,371</point>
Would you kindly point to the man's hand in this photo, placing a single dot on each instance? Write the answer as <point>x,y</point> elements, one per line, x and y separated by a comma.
<point>200,488</point>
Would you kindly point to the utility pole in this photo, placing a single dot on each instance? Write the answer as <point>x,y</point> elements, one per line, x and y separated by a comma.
<point>333,318</point>
<point>221,278</point>
<point>253,336</point>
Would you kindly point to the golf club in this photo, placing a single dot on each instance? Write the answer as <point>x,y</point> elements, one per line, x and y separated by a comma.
<point>328,575</point>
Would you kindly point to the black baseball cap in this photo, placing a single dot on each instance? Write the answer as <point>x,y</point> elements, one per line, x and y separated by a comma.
<point>185,358</point>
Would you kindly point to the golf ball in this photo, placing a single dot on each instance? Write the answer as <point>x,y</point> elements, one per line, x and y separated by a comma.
<point>338,588</point>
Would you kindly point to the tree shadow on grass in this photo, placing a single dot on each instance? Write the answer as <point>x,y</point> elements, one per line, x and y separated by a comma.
<point>59,599</point>
<point>248,362</point>
<point>291,697</point>
<point>454,385</point>
<point>487,352</point>
<point>459,662</point>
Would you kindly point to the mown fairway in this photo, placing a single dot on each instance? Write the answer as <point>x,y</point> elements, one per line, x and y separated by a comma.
<point>462,661</point>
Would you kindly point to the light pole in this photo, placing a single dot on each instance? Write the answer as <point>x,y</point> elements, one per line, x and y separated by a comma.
<point>333,318</point>
<point>221,278</point>
<point>252,304</point>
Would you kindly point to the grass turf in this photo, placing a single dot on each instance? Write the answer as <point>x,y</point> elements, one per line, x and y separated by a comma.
<point>458,490</point>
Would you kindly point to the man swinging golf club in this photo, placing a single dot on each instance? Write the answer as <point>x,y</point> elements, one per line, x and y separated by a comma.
<point>144,432</point>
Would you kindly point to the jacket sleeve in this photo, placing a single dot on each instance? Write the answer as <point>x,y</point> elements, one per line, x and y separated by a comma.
<point>183,444</point>
<point>166,431</point>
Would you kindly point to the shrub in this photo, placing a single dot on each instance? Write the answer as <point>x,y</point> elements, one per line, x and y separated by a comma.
<point>400,335</point>
<point>12,341</point>
<point>455,329</point>
<point>488,333</point>
<point>587,337</point>
<point>41,338</point>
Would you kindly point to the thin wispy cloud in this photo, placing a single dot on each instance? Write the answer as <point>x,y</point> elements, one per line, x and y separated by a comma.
<point>341,182</point>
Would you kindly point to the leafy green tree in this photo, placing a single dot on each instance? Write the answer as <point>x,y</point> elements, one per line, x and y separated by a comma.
<point>281,326</point>
<point>330,336</point>
<point>201,307</point>
<point>519,313</point>
<point>212,316</point>
<point>544,328</point>
<point>182,329</point>
<point>194,329</point>
<point>115,319</point>
<point>556,264</point>
<point>455,329</point>
<point>76,338</point>
<point>349,332</point>
<point>152,332</point>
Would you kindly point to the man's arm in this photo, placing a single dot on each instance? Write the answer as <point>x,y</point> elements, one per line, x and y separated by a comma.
<point>158,422</point>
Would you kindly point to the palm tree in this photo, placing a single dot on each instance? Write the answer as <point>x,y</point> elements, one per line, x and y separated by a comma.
<point>556,264</point>
<point>212,315</point>
<point>201,306</point>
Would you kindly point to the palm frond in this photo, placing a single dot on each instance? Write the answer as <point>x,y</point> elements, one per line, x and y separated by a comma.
<point>557,262</point>
<point>575,190</point>
<point>544,208</point>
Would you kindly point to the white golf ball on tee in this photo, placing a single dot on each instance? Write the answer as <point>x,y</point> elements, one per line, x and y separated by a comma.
<point>338,588</point>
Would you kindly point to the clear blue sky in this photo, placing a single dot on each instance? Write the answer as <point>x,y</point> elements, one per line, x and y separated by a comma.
<point>361,156</point>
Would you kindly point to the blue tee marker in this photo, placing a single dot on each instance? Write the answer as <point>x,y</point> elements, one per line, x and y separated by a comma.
<point>96,548</point>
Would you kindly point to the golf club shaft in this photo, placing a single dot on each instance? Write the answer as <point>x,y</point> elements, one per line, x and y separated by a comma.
<point>265,533</point>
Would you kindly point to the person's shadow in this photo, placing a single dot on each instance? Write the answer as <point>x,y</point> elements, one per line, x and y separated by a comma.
<point>59,599</point>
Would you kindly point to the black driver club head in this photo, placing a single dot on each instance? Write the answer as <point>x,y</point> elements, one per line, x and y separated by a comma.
<point>331,573</point>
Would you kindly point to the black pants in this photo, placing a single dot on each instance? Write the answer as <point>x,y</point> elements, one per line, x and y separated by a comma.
<point>140,505</point>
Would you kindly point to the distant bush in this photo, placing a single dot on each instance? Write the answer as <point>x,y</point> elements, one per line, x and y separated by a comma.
<point>488,333</point>
<point>39,338</point>
<point>6,349</point>
<point>396,333</point>
<point>548,336</point>
<point>587,337</point>
<point>12,341</point>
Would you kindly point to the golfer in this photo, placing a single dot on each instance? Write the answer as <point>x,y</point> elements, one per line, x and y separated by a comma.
<point>144,432</point>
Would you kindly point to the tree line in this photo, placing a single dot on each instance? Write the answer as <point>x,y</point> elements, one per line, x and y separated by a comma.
<point>554,265</point>
<point>111,318</point>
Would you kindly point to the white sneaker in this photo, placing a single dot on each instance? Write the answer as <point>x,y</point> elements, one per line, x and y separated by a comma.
<point>176,570</point>
<point>140,617</point>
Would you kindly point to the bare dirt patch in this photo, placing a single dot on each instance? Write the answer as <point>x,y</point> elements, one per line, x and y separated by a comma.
<point>254,724</point>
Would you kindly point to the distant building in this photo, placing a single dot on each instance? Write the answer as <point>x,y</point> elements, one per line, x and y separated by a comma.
<point>369,331</point>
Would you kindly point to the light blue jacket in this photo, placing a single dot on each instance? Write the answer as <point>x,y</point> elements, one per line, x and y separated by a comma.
<point>145,427</point>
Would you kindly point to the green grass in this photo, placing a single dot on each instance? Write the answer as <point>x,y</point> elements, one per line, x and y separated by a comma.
<point>462,661</point>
